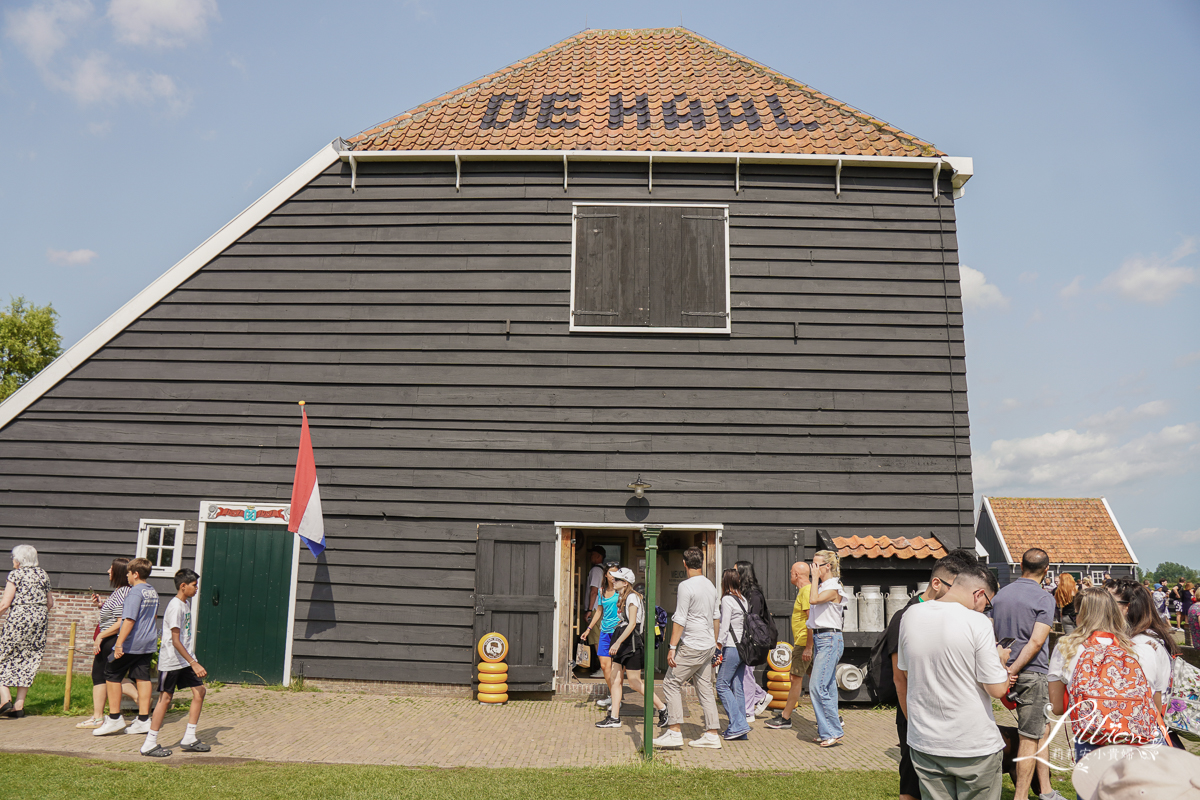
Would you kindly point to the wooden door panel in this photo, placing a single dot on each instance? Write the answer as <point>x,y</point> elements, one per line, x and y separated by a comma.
<point>514,596</point>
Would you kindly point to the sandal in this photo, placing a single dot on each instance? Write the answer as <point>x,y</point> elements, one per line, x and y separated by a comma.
<point>195,747</point>
<point>92,722</point>
<point>830,742</point>
<point>7,707</point>
<point>158,752</point>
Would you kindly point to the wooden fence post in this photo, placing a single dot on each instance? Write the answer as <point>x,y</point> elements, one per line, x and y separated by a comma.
<point>70,669</point>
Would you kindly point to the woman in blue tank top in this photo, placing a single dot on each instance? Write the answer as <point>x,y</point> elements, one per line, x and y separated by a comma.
<point>607,617</point>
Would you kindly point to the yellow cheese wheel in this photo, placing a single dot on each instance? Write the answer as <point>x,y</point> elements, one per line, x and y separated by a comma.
<point>488,677</point>
<point>777,704</point>
<point>772,675</point>
<point>778,695</point>
<point>778,686</point>
<point>486,668</point>
<point>498,698</point>
<point>493,647</point>
<point>493,688</point>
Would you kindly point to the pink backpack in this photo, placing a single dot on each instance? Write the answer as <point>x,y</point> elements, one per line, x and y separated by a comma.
<point>1110,700</point>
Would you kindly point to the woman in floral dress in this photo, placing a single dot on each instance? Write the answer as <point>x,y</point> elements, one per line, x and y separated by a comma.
<point>28,600</point>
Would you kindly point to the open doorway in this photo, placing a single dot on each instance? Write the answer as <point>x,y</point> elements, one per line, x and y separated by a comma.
<point>626,547</point>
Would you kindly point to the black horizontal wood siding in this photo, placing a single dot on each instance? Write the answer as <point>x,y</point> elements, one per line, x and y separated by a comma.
<point>427,330</point>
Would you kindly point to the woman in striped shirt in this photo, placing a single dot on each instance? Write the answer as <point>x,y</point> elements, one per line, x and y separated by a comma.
<point>105,637</point>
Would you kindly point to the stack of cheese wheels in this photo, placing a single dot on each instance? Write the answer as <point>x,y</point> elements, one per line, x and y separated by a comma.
<point>493,672</point>
<point>779,674</point>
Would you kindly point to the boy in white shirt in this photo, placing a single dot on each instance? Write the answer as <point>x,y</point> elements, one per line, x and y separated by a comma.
<point>178,667</point>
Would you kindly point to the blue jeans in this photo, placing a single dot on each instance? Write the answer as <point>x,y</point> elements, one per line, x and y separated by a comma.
<point>729,688</point>
<point>822,684</point>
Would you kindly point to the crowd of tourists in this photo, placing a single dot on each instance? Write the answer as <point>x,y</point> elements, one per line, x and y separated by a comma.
<point>709,635</point>
<point>943,659</point>
<point>124,643</point>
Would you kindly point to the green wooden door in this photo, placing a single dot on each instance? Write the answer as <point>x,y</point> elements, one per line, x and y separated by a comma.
<point>241,635</point>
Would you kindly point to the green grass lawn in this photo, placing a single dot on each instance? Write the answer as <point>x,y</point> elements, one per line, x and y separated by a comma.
<point>45,697</point>
<point>51,777</point>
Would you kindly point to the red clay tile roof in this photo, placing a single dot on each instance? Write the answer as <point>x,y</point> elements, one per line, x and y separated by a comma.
<point>664,89</point>
<point>886,547</point>
<point>1073,530</point>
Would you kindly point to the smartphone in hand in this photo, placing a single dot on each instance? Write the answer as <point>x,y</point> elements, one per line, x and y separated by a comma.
<point>1007,642</point>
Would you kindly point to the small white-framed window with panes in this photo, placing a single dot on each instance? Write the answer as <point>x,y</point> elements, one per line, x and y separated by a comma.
<point>161,542</point>
<point>1098,577</point>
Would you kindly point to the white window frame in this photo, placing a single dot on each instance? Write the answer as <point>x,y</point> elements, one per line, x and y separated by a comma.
<point>572,327</point>
<point>143,544</point>
<point>1097,577</point>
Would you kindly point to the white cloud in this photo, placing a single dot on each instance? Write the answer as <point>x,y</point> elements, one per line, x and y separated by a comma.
<point>977,292</point>
<point>419,10</point>
<point>42,29</point>
<point>1027,277</point>
<point>1154,279</point>
<point>1010,404</point>
<point>97,79</point>
<point>1119,418</point>
<point>70,258</point>
<point>1147,533</point>
<point>161,23</point>
<point>100,128</point>
<point>1184,360</point>
<point>1072,289</point>
<point>1089,462</point>
<point>1189,537</point>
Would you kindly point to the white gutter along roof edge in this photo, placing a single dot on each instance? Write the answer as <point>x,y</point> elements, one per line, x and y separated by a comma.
<point>146,299</point>
<point>962,167</point>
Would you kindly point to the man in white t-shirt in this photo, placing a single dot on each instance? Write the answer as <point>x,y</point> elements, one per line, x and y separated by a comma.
<point>693,643</point>
<point>952,668</point>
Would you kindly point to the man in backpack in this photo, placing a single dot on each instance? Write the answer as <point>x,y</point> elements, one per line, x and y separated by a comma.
<point>948,668</point>
<point>802,649</point>
<point>945,570</point>
<point>1024,612</point>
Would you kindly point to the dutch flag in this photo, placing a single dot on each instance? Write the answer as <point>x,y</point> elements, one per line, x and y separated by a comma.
<point>305,517</point>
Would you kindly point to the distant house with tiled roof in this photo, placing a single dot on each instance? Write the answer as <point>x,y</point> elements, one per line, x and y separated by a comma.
<point>1080,534</point>
<point>636,253</point>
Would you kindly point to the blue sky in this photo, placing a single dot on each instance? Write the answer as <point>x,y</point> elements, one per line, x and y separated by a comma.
<point>134,129</point>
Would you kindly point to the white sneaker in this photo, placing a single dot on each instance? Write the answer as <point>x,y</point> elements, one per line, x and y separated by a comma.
<point>598,673</point>
<point>670,738</point>
<point>605,703</point>
<point>709,740</point>
<point>138,726</point>
<point>749,719</point>
<point>110,726</point>
<point>762,706</point>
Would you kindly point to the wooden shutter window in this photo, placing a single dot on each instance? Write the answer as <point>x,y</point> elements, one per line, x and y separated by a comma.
<point>650,266</point>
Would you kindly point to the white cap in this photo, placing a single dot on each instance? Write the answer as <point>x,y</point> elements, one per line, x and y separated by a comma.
<point>625,574</point>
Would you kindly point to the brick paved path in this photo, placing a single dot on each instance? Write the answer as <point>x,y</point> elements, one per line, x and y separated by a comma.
<point>331,727</point>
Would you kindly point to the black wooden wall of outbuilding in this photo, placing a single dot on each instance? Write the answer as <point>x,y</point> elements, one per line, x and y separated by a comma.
<point>839,401</point>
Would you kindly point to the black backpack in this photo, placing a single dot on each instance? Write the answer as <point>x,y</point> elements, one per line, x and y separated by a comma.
<point>757,638</point>
<point>880,676</point>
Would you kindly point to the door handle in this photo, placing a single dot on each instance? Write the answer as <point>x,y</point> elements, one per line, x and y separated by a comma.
<point>216,596</point>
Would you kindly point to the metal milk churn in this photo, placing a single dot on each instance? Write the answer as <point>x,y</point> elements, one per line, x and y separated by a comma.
<point>897,599</point>
<point>850,624</point>
<point>870,609</point>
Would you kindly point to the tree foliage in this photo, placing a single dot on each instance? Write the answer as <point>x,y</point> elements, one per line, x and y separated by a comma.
<point>28,343</point>
<point>1170,572</point>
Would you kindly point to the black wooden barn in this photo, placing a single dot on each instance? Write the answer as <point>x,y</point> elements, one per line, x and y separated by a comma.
<point>636,253</point>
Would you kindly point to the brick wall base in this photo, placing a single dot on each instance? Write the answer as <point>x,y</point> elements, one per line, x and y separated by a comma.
<point>71,606</point>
